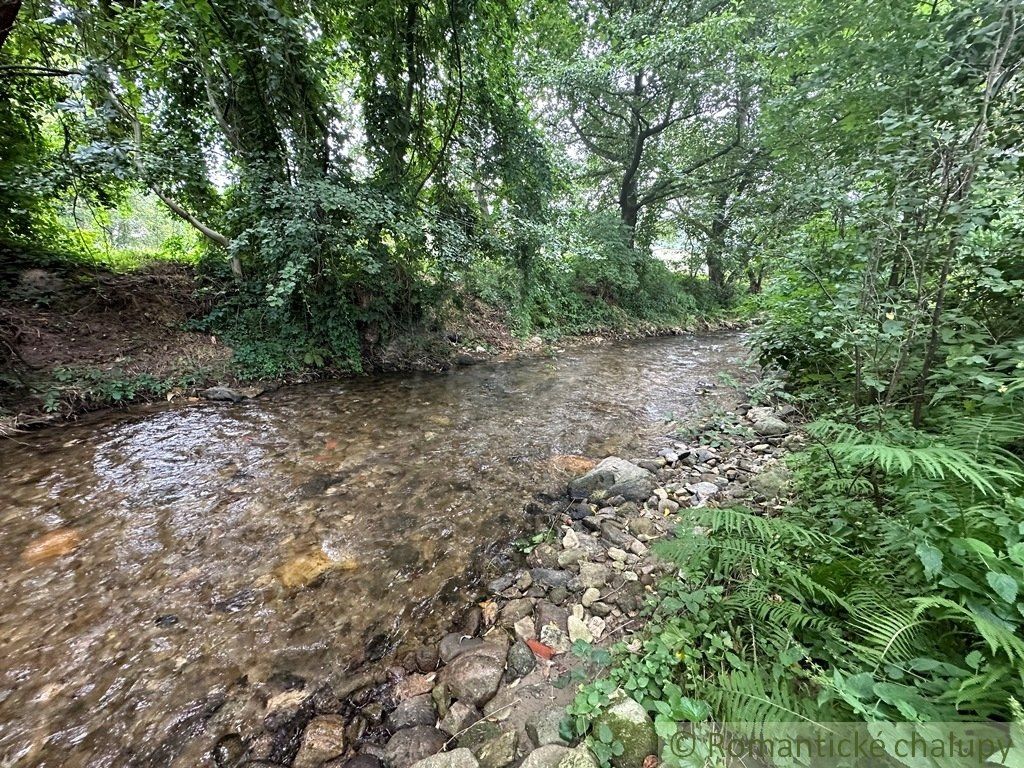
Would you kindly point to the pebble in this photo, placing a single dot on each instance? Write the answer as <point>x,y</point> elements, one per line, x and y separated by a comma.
<point>579,631</point>
<point>590,596</point>
<point>617,554</point>
<point>570,540</point>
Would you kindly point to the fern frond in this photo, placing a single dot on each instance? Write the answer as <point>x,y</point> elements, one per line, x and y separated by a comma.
<point>999,637</point>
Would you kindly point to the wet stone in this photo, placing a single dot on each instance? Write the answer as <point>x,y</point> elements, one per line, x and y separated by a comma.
<point>417,710</point>
<point>549,577</point>
<point>323,739</point>
<point>411,745</point>
<point>520,661</point>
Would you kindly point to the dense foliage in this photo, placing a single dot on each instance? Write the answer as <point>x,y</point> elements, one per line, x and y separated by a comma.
<point>891,588</point>
<point>352,169</point>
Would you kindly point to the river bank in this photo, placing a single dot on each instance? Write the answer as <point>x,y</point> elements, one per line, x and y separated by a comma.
<point>77,341</point>
<point>491,693</point>
<point>164,557</point>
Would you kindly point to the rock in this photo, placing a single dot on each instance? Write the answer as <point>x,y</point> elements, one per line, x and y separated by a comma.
<point>555,638</point>
<point>617,477</point>
<point>580,511</point>
<point>703,491</point>
<point>549,577</point>
<point>471,621</point>
<point>229,751</point>
<point>454,644</point>
<point>223,394</point>
<point>457,758</point>
<point>543,556</point>
<point>770,427</point>
<point>617,554</point>
<point>638,548</point>
<point>459,717</point>
<point>641,526</point>
<point>303,570</point>
<point>551,614</point>
<point>773,483</point>
<point>667,507</point>
<point>542,726</point>
<point>547,756</point>
<point>525,628</point>
<point>515,610</point>
<point>559,595</point>
<point>578,631</point>
<point>590,596</point>
<point>632,726</point>
<point>323,739</point>
<point>417,710</point>
<point>411,745</point>
<point>570,540</point>
<point>479,734</point>
<point>555,756</point>
<point>501,583</point>
<point>600,609</point>
<point>427,658</point>
<point>282,708</point>
<point>499,752</point>
<point>569,557</point>
<point>614,534</point>
<point>580,757</point>
<point>473,678</point>
<point>362,761</point>
<point>597,626</point>
<point>520,661</point>
<point>593,575</point>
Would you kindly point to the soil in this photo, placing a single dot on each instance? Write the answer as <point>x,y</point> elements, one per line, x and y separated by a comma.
<point>59,325</point>
<point>67,332</point>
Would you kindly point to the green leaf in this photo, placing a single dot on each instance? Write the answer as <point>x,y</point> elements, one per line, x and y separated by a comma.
<point>931,559</point>
<point>1004,586</point>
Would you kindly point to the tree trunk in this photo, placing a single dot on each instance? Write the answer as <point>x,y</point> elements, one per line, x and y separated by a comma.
<point>8,13</point>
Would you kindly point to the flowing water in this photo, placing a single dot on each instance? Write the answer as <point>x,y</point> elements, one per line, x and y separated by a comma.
<point>152,558</point>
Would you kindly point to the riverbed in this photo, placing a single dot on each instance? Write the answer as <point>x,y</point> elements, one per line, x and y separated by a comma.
<point>155,557</point>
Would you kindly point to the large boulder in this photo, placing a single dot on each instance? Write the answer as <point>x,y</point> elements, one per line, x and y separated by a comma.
<point>323,739</point>
<point>473,678</point>
<point>615,477</point>
<point>410,745</point>
<point>632,726</point>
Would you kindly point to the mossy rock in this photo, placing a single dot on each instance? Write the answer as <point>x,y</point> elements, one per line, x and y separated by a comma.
<point>632,727</point>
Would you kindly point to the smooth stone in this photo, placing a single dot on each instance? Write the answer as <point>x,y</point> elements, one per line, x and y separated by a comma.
<point>416,710</point>
<point>411,745</point>
<point>570,540</point>
<point>323,739</point>
<point>617,554</point>
<point>615,477</point>
<point>520,661</point>
<point>457,758</point>
<point>590,596</point>
<point>473,678</point>
<point>555,756</point>
<point>569,557</point>
<point>515,610</point>
<point>454,644</point>
<point>542,726</point>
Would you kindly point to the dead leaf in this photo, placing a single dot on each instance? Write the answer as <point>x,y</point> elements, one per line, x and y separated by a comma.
<point>51,545</point>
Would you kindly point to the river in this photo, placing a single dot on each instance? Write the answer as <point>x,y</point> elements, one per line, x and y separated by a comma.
<point>155,557</point>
